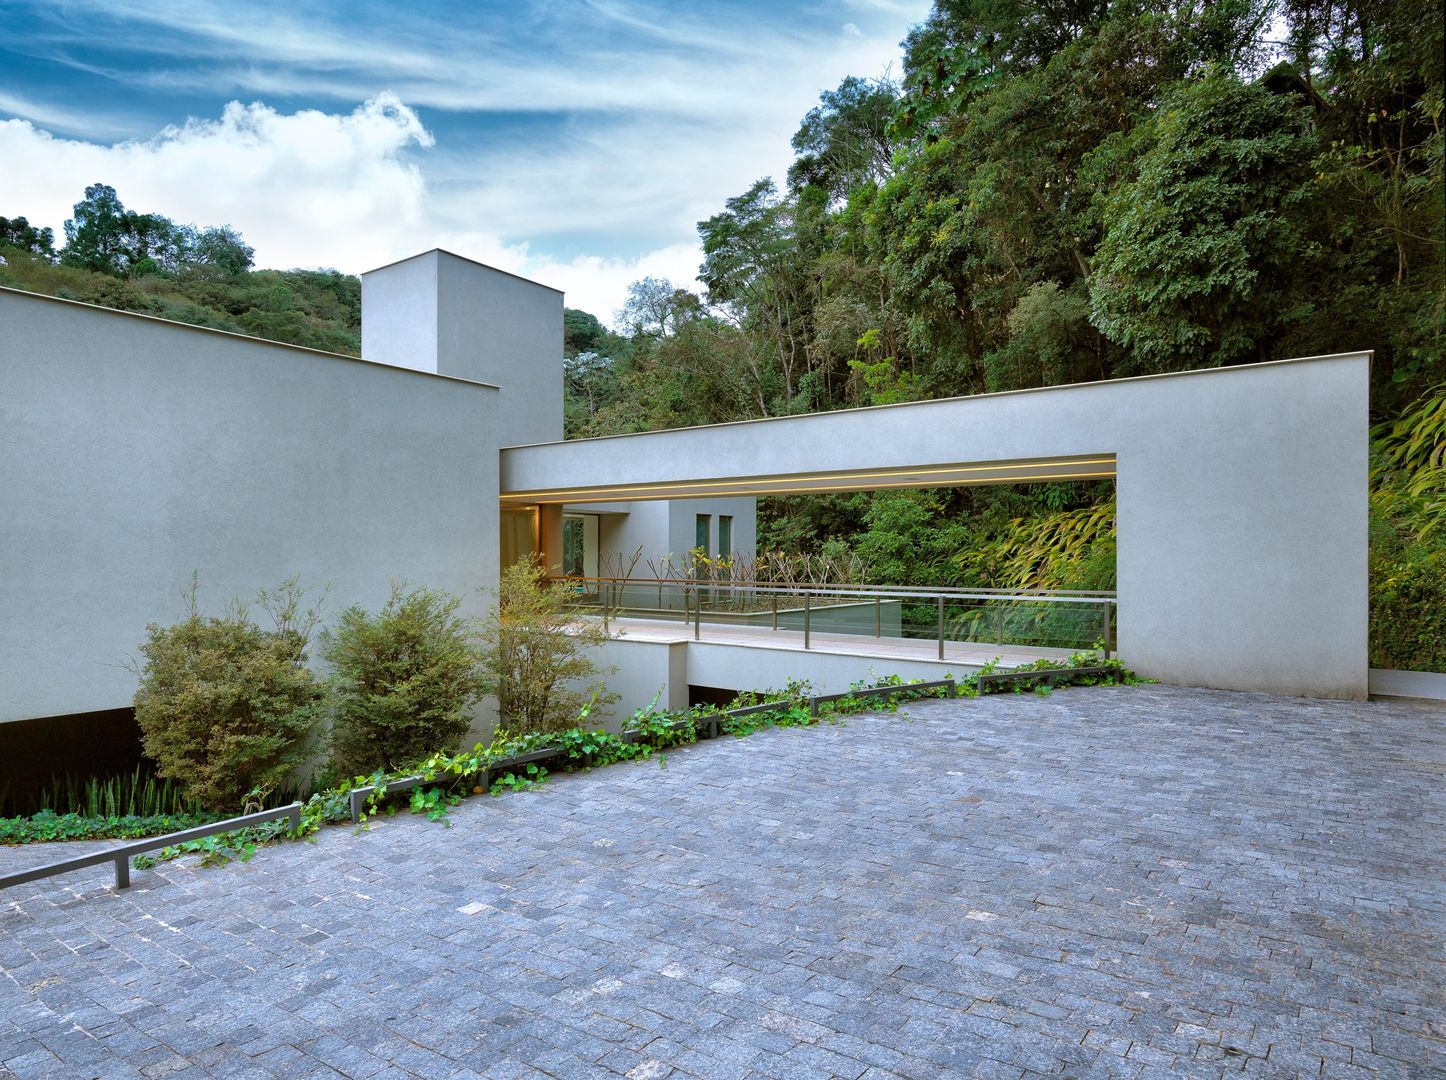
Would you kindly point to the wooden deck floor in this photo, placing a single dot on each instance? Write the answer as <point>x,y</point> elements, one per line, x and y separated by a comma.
<point>971,654</point>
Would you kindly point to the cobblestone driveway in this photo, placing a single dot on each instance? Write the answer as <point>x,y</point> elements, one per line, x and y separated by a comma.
<point>1106,882</point>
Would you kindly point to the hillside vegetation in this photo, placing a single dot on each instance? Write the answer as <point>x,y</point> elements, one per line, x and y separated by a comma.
<point>1059,193</point>
<point>147,263</point>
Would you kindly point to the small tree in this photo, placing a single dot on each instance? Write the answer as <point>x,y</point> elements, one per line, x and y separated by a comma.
<point>405,680</point>
<point>225,706</point>
<point>536,654</point>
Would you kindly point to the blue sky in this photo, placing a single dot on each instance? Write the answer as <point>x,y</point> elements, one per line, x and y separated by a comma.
<point>574,142</point>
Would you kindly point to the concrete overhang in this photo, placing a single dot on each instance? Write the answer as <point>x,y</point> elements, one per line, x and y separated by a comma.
<point>1093,467</point>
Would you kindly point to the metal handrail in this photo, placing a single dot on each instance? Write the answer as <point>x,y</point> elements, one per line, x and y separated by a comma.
<point>1026,674</point>
<point>950,688</point>
<point>121,855</point>
<point>609,597</point>
<point>887,592</point>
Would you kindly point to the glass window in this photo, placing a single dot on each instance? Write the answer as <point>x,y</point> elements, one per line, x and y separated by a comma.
<point>725,535</point>
<point>573,546</point>
<point>579,545</point>
<point>705,522</point>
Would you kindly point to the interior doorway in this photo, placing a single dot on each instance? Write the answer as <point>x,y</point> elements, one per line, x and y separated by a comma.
<point>580,545</point>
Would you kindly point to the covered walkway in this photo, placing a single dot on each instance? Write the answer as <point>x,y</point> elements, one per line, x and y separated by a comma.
<point>1240,493</point>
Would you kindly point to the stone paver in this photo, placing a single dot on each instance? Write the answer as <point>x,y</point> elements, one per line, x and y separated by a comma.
<point>1134,882</point>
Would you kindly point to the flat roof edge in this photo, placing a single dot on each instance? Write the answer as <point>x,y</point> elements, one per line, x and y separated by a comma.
<point>101,309</point>
<point>465,259</point>
<point>1363,354</point>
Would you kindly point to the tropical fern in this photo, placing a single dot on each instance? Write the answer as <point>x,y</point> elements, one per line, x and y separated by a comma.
<point>1408,469</point>
<point>1045,552</point>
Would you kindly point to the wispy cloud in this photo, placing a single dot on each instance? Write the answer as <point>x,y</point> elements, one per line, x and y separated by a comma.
<point>86,123</point>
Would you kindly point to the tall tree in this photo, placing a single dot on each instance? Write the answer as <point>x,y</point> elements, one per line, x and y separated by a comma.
<point>19,233</point>
<point>1203,254</point>
<point>846,141</point>
<point>95,237</point>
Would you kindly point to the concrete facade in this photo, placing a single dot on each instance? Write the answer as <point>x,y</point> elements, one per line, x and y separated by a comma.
<point>1242,499</point>
<point>442,313</point>
<point>668,527</point>
<point>136,452</point>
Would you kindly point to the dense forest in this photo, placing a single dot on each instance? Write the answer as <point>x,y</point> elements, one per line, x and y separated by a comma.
<point>1049,192</point>
<point>1062,192</point>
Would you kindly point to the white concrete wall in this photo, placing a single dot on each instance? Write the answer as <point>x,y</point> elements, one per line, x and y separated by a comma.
<point>440,312</point>
<point>665,527</point>
<point>645,670</point>
<point>494,327</point>
<point>646,667</point>
<point>645,525</point>
<point>683,524</point>
<point>134,451</point>
<point>399,313</point>
<point>1242,500</point>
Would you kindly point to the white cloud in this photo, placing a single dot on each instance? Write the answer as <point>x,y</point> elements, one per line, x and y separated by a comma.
<point>305,189</point>
<point>638,147</point>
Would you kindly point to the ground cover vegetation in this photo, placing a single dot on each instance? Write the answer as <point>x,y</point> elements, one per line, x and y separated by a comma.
<point>1044,194</point>
<point>118,807</point>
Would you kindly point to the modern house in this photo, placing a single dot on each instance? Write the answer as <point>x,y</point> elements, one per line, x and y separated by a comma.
<point>135,452</point>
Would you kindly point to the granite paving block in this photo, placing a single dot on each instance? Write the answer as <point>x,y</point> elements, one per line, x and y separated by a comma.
<point>1105,882</point>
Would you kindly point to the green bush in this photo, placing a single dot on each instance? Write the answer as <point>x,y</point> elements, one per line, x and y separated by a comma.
<point>405,681</point>
<point>1408,610</point>
<point>536,654</point>
<point>226,707</point>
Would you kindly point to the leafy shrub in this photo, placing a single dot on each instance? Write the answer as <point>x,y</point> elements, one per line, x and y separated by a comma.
<point>226,707</point>
<point>1408,610</point>
<point>405,680</point>
<point>535,654</point>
